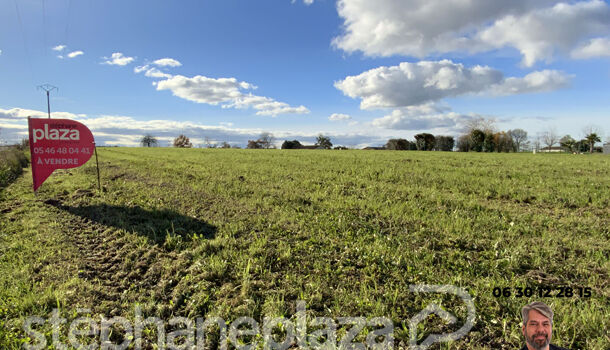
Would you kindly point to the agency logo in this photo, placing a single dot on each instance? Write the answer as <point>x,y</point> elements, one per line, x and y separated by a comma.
<point>55,134</point>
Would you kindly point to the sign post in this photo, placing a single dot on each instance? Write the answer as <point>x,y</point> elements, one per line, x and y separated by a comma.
<point>97,166</point>
<point>57,144</point>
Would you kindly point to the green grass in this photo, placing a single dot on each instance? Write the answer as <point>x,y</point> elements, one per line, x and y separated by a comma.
<point>249,232</point>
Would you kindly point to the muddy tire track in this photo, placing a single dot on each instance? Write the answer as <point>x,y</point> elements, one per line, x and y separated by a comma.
<point>119,272</point>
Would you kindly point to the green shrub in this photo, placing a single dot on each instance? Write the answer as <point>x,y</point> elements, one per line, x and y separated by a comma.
<point>12,162</point>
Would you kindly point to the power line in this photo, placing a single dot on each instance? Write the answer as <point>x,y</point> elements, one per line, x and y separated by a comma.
<point>68,21</point>
<point>25,45</point>
<point>44,29</point>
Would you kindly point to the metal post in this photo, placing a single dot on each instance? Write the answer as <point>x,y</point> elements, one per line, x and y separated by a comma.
<point>48,88</point>
<point>48,105</point>
<point>99,185</point>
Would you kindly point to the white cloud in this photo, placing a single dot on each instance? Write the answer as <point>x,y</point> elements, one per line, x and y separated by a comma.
<point>401,119</point>
<point>127,131</point>
<point>75,54</point>
<point>155,73</point>
<point>20,113</point>
<point>598,47</point>
<point>227,92</point>
<point>140,69</point>
<point>541,81</point>
<point>118,59</point>
<point>339,117</point>
<point>167,62</point>
<point>431,117</point>
<point>539,34</point>
<point>23,114</point>
<point>202,89</point>
<point>306,2</point>
<point>412,84</point>
<point>59,48</point>
<point>151,72</point>
<point>423,27</point>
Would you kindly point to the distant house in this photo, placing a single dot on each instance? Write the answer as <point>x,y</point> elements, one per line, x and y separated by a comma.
<point>607,148</point>
<point>555,149</point>
<point>373,148</point>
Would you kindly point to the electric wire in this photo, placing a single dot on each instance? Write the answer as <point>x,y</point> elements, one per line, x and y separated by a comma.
<point>24,40</point>
<point>44,31</point>
<point>66,38</point>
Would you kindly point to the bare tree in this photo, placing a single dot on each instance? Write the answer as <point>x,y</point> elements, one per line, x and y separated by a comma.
<point>592,129</point>
<point>519,137</point>
<point>536,142</point>
<point>207,142</point>
<point>550,138</point>
<point>266,140</point>
<point>487,125</point>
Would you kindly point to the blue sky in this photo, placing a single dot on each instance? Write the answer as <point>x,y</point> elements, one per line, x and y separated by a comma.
<point>359,71</point>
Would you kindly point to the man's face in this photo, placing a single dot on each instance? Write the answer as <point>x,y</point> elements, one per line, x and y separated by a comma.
<point>538,331</point>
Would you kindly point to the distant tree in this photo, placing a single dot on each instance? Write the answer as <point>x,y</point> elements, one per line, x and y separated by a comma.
<point>463,143</point>
<point>324,142</point>
<point>208,143</point>
<point>444,143</point>
<point>25,144</point>
<point>182,142</point>
<point>294,144</point>
<point>519,137</point>
<point>425,141</point>
<point>254,145</point>
<point>266,140</point>
<point>225,144</point>
<point>581,146</point>
<point>488,142</point>
<point>477,137</point>
<point>503,142</point>
<point>537,142</point>
<point>341,148</point>
<point>397,145</point>
<point>567,143</point>
<point>592,138</point>
<point>149,141</point>
<point>550,138</point>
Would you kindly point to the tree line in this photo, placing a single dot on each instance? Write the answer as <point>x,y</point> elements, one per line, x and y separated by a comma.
<point>480,136</point>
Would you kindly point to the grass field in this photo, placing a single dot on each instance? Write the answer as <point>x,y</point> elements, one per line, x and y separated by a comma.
<point>194,232</point>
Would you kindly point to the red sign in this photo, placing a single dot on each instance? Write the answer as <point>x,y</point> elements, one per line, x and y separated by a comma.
<point>57,144</point>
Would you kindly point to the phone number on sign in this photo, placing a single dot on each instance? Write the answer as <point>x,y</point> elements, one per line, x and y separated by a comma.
<point>542,292</point>
<point>61,150</point>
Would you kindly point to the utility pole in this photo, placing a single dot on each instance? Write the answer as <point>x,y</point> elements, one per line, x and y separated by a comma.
<point>48,88</point>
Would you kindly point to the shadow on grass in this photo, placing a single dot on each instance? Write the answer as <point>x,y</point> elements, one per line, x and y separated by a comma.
<point>157,225</point>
